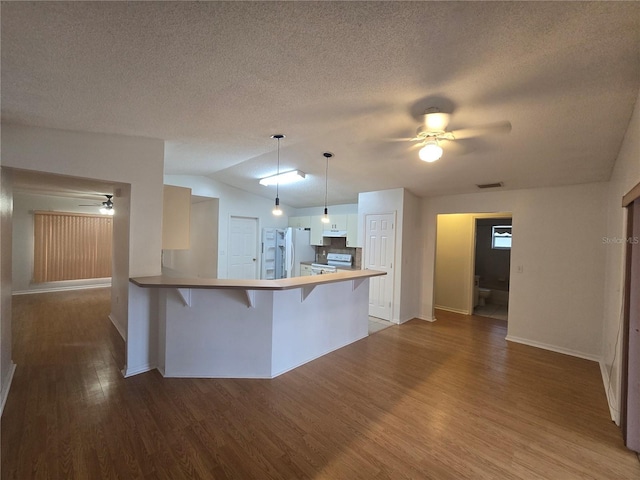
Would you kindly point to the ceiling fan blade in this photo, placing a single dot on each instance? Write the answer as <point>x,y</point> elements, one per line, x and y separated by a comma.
<point>404,139</point>
<point>498,127</point>
<point>90,205</point>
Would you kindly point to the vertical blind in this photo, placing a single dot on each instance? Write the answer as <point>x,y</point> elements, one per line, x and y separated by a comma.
<point>71,246</point>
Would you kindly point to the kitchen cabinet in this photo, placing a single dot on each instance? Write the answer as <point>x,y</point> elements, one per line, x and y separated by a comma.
<point>301,222</point>
<point>317,227</point>
<point>176,218</point>
<point>352,231</point>
<point>305,270</point>
<point>337,222</point>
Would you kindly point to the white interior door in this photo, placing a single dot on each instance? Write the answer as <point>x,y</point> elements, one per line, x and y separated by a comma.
<point>380,247</point>
<point>243,248</point>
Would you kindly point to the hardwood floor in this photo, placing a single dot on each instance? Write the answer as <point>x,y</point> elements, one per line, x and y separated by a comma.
<point>444,400</point>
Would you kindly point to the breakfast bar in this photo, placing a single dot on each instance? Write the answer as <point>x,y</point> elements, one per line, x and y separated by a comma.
<point>219,328</point>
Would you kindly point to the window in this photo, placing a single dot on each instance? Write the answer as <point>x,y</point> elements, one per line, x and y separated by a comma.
<point>71,246</point>
<point>501,237</point>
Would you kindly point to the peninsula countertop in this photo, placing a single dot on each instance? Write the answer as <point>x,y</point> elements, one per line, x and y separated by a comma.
<point>165,281</point>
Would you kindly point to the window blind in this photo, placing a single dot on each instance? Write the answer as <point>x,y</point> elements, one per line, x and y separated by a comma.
<point>71,246</point>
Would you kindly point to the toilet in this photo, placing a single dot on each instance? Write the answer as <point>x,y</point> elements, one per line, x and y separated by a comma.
<point>481,295</point>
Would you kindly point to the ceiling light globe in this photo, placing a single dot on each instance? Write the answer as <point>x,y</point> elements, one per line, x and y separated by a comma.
<point>430,152</point>
<point>276,211</point>
<point>325,219</point>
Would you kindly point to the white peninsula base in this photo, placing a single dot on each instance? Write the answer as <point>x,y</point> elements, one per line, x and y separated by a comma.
<point>257,333</point>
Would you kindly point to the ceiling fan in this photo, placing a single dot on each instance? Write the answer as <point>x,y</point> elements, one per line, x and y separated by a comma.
<point>432,133</point>
<point>106,208</point>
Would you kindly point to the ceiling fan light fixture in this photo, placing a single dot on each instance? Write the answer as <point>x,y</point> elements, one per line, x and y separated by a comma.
<point>107,211</point>
<point>283,178</point>
<point>436,121</point>
<point>430,152</point>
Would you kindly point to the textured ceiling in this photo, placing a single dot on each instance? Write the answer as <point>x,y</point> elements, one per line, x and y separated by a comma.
<point>216,79</point>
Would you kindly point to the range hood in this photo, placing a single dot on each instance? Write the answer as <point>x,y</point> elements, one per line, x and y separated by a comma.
<point>334,233</point>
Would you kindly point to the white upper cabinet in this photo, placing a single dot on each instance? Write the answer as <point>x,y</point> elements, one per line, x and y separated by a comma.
<point>301,222</point>
<point>352,231</point>
<point>317,228</point>
<point>336,222</point>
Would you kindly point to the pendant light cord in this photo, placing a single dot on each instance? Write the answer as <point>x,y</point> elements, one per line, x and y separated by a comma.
<point>326,182</point>
<point>278,182</point>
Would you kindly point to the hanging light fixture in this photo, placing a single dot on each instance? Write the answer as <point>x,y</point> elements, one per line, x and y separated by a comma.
<point>431,151</point>
<point>107,207</point>
<point>276,210</point>
<point>327,156</point>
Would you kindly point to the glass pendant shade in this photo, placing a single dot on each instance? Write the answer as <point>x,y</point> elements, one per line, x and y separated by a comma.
<point>430,152</point>
<point>276,210</point>
<point>325,217</point>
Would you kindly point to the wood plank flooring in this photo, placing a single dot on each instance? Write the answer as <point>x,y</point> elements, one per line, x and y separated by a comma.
<point>444,400</point>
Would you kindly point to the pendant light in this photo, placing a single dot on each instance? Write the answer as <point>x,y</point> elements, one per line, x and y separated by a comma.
<point>327,156</point>
<point>276,210</point>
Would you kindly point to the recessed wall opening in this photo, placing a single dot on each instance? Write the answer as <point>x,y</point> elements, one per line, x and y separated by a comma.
<point>473,263</point>
<point>50,195</point>
<point>491,267</point>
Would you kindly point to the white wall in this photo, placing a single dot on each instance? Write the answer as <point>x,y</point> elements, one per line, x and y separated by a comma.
<point>411,257</point>
<point>7,367</point>
<point>343,209</point>
<point>556,302</point>
<point>406,295</point>
<point>232,202</point>
<point>135,163</point>
<point>23,237</point>
<point>625,175</point>
<point>453,266</point>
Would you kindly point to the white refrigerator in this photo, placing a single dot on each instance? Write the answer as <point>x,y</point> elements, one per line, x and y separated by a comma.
<point>282,251</point>
<point>298,249</point>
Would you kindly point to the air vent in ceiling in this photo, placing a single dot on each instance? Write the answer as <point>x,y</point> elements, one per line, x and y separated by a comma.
<point>490,185</point>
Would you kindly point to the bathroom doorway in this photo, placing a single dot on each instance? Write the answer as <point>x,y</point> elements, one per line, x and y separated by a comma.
<point>492,261</point>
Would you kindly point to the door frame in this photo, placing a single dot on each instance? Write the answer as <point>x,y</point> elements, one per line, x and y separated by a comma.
<point>258,261</point>
<point>630,203</point>
<point>394,214</point>
<point>476,217</point>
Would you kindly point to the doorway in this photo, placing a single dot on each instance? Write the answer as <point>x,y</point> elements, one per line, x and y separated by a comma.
<point>492,267</point>
<point>455,265</point>
<point>380,248</point>
<point>630,391</point>
<point>47,191</point>
<point>243,248</point>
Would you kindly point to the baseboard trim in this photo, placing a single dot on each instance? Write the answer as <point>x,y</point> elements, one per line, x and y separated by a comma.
<point>553,348</point>
<point>122,333</point>
<point>611,395</point>
<point>453,310</point>
<point>432,319</point>
<point>6,386</point>
<point>138,370</point>
<point>61,289</point>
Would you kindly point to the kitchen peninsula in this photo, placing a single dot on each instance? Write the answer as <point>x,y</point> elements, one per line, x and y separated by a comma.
<point>255,328</point>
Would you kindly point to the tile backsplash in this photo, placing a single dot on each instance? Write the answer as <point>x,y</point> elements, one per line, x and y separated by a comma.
<point>339,245</point>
